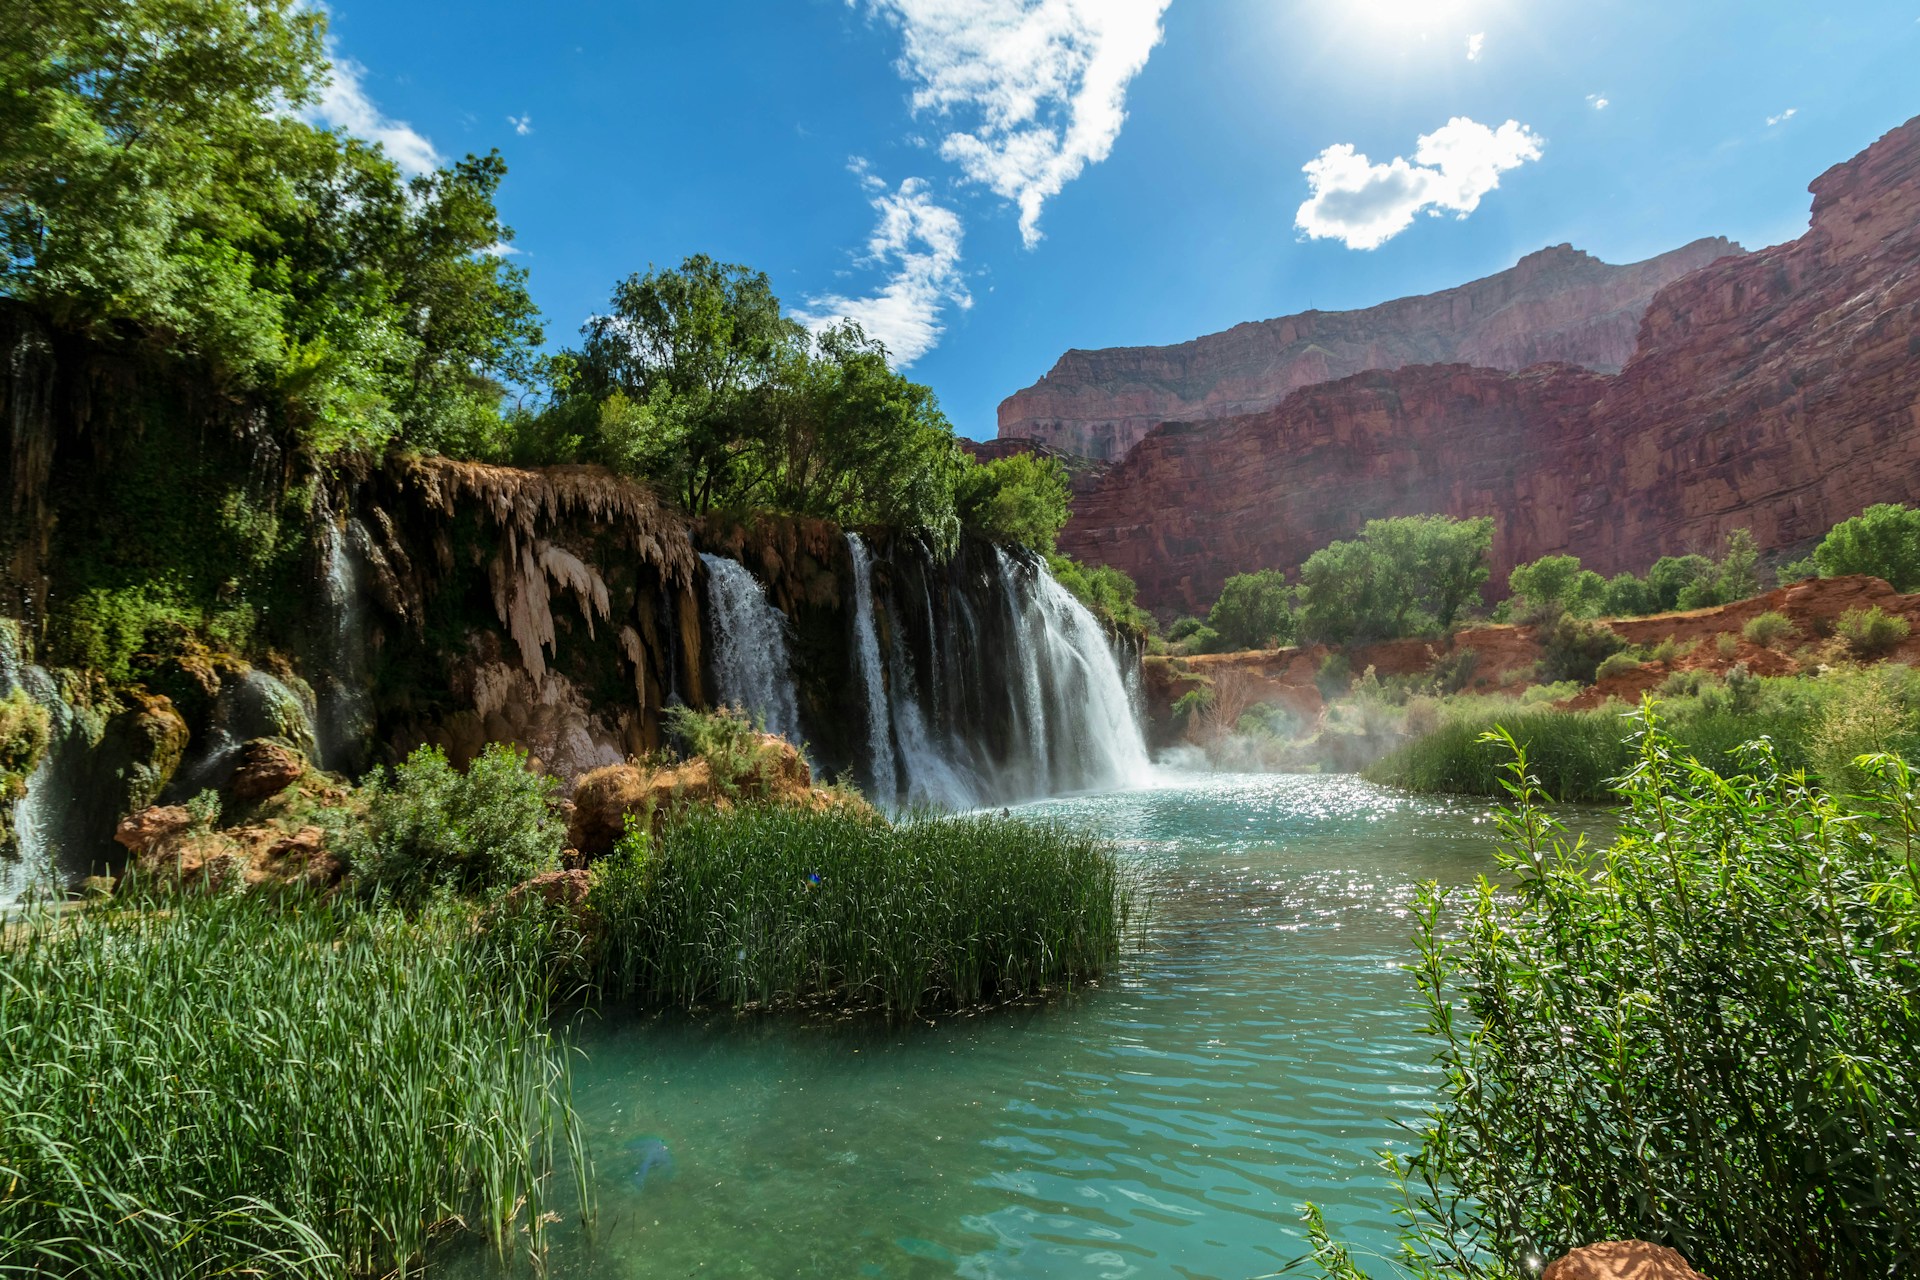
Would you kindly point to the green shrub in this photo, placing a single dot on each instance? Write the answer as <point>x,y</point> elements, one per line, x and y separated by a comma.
<point>1726,644</point>
<point>767,906</point>
<point>1883,541</point>
<point>1334,675</point>
<point>741,758</point>
<point>1553,585</point>
<point>1702,1035</point>
<point>1768,629</point>
<point>1616,664</point>
<point>1666,651</point>
<point>1575,754</point>
<point>430,827</point>
<point>1254,611</point>
<point>1184,627</point>
<point>233,1087</point>
<point>1573,648</point>
<point>1629,597</point>
<point>1453,671</point>
<point>1107,592</point>
<point>1864,713</point>
<point>24,729</point>
<point>1872,631</point>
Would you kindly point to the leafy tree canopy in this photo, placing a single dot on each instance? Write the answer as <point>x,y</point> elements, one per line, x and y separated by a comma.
<point>152,170</point>
<point>1883,540</point>
<point>1254,611</point>
<point>1555,585</point>
<point>1403,576</point>
<point>1023,498</point>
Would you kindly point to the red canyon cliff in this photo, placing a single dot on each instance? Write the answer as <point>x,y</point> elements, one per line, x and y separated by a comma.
<point>1778,391</point>
<point>1558,304</point>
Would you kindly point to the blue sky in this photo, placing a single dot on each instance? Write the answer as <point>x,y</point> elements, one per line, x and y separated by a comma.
<point>990,182</point>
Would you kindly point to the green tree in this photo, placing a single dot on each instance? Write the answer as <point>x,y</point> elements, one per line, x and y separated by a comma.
<point>1735,577</point>
<point>1254,611</point>
<point>1629,597</point>
<point>1023,499</point>
<point>1401,576</point>
<point>1553,585</point>
<point>1670,576</point>
<point>1882,541</point>
<point>699,345</point>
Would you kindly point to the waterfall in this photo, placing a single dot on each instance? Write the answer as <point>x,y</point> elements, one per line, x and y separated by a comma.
<point>255,706</point>
<point>345,711</point>
<point>1104,746</point>
<point>752,662</point>
<point>866,641</point>
<point>53,808</point>
<point>933,777</point>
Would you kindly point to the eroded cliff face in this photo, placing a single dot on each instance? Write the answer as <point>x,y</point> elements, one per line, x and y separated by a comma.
<point>1557,305</point>
<point>1777,391</point>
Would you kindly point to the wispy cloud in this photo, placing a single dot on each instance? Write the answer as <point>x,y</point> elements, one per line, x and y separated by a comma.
<point>1034,90</point>
<point>344,105</point>
<point>1475,44</point>
<point>917,242</point>
<point>522,125</point>
<point>1600,101</point>
<point>1783,117</point>
<point>1364,205</point>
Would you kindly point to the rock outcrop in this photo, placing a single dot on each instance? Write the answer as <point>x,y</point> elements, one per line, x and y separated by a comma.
<point>1557,305</point>
<point>1777,391</point>
<point>1621,1260</point>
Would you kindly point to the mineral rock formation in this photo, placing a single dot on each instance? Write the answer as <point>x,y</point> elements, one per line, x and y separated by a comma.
<point>1621,1260</point>
<point>1557,305</point>
<point>1777,391</point>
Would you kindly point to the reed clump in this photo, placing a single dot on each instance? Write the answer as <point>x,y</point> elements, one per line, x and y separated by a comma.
<point>770,906</point>
<point>215,1084</point>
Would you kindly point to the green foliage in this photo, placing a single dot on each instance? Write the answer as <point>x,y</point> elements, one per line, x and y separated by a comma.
<point>228,1086</point>
<point>1405,576</point>
<point>1553,585</point>
<point>1768,629</point>
<point>1108,592</point>
<point>152,170</point>
<point>1672,576</point>
<point>1797,571</point>
<point>741,758</point>
<point>1735,577</point>
<point>1867,713</point>
<point>1702,1035</point>
<point>1616,664</point>
<point>1871,631</point>
<point>1883,541</point>
<point>1573,648</point>
<point>1453,671</point>
<point>1254,611</point>
<point>1021,499</point>
<point>1184,628</point>
<point>24,729</point>
<point>1628,597</point>
<point>1334,675</point>
<point>429,827</point>
<point>762,906</point>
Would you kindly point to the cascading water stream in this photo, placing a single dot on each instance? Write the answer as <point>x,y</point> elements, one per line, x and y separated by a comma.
<point>866,638</point>
<point>752,660</point>
<point>345,714</point>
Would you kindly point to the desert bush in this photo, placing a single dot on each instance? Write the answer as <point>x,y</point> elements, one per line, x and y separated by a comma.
<point>1726,644</point>
<point>1573,648</point>
<point>1768,629</point>
<point>429,826</point>
<point>1666,651</point>
<point>741,757</point>
<point>1616,664</point>
<point>1863,713</point>
<point>1871,631</point>
<point>1453,672</point>
<point>1334,675</point>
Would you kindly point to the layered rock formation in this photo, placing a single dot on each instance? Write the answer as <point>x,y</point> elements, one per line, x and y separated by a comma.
<point>1555,305</point>
<point>1777,391</point>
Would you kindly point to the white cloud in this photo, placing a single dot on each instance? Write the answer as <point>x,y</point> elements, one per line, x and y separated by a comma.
<point>1475,44</point>
<point>918,242</point>
<point>522,125</point>
<point>1783,117</point>
<point>1600,101</point>
<point>1364,205</point>
<point>345,106</point>
<point>1035,89</point>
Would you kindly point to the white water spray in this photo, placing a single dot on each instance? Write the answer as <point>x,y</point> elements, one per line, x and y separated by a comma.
<point>752,661</point>
<point>866,640</point>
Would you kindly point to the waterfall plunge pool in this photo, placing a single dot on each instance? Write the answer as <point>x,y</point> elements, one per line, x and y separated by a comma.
<point>1169,1122</point>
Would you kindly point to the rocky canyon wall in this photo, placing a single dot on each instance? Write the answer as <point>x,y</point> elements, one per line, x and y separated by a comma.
<point>1555,305</point>
<point>1777,391</point>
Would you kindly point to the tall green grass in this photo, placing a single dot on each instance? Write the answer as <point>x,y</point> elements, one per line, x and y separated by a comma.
<point>1815,724</point>
<point>215,1085</point>
<point>770,906</point>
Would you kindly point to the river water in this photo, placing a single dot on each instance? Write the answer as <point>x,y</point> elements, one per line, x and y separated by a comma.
<point>1254,1054</point>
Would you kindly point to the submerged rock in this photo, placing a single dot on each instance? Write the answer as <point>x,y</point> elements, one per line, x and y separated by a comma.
<point>1621,1260</point>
